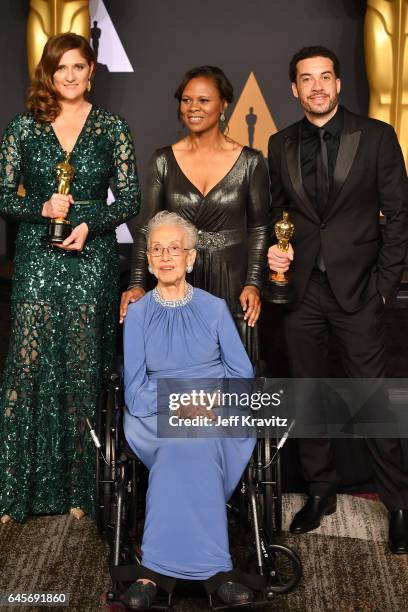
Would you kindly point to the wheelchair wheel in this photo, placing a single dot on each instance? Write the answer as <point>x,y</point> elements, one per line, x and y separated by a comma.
<point>282,569</point>
<point>100,432</point>
<point>132,492</point>
<point>105,470</point>
<point>271,491</point>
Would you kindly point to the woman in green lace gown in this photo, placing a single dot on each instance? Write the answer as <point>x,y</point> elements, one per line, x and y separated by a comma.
<point>64,299</point>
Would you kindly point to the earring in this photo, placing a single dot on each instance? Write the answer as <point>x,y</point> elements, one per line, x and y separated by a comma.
<point>189,269</point>
<point>222,117</point>
<point>150,269</point>
<point>89,85</point>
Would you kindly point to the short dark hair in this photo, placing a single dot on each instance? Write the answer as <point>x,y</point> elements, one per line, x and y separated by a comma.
<point>221,82</point>
<point>316,51</point>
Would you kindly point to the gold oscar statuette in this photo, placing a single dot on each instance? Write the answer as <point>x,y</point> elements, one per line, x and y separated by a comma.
<point>60,228</point>
<point>279,290</point>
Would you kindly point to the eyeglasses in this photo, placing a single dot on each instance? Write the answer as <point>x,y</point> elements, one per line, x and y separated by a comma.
<point>172,250</point>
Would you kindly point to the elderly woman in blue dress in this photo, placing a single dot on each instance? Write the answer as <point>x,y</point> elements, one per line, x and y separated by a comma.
<point>177,331</point>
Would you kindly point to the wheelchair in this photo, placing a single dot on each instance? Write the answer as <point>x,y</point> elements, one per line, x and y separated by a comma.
<point>271,568</point>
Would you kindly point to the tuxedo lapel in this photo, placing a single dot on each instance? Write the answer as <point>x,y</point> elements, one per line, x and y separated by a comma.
<point>292,150</point>
<point>349,141</point>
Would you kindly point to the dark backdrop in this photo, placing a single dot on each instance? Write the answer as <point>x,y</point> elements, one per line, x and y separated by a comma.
<point>164,38</point>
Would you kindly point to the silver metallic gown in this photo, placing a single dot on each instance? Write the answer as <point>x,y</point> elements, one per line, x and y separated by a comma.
<point>232,219</point>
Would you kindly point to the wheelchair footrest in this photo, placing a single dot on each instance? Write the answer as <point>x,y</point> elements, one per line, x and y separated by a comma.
<point>131,573</point>
<point>258,603</point>
<point>125,574</point>
<point>253,581</point>
<point>118,606</point>
<point>121,574</point>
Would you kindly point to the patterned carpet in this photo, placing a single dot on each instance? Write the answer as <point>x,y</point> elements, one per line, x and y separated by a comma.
<point>346,564</point>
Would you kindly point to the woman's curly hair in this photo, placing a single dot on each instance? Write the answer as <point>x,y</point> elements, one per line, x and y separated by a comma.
<point>42,99</point>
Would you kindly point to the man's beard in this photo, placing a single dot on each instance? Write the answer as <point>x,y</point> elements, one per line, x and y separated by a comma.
<point>333,102</point>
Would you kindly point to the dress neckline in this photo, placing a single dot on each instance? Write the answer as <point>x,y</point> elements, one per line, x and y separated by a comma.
<point>174,303</point>
<point>216,184</point>
<point>80,134</point>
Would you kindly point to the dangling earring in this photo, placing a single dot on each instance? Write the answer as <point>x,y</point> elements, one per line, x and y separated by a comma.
<point>189,268</point>
<point>222,117</point>
<point>89,85</point>
<point>150,269</point>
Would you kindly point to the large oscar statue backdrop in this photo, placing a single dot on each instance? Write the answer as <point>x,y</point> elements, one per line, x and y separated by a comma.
<point>48,17</point>
<point>386,46</point>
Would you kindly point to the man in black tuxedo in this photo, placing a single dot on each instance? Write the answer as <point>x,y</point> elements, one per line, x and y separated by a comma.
<point>334,171</point>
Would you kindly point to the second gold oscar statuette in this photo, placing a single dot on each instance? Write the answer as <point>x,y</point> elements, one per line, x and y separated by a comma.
<point>279,289</point>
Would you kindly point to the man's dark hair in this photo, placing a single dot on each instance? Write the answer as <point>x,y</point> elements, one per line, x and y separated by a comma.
<point>316,51</point>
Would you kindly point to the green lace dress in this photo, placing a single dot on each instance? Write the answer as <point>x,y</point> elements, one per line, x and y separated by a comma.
<point>64,311</point>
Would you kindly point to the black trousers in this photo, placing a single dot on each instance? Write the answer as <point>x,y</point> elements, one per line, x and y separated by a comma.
<point>360,338</point>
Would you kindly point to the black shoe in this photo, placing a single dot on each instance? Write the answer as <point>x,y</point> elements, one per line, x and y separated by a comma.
<point>140,596</point>
<point>398,533</point>
<point>233,593</point>
<point>315,508</point>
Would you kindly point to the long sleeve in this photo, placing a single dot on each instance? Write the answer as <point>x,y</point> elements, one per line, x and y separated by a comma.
<point>234,358</point>
<point>153,202</point>
<point>279,202</point>
<point>392,187</point>
<point>258,211</point>
<point>107,217</point>
<point>13,206</point>
<point>140,393</point>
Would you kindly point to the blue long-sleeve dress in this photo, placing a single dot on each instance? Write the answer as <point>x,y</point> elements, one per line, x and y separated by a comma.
<point>190,479</point>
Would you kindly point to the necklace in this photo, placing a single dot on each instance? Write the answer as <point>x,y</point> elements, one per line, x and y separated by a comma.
<point>188,295</point>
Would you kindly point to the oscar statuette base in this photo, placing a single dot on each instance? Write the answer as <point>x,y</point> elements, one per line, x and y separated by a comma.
<point>278,291</point>
<point>58,230</point>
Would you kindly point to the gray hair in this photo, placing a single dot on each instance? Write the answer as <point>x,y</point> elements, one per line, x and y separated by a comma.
<point>170,218</point>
